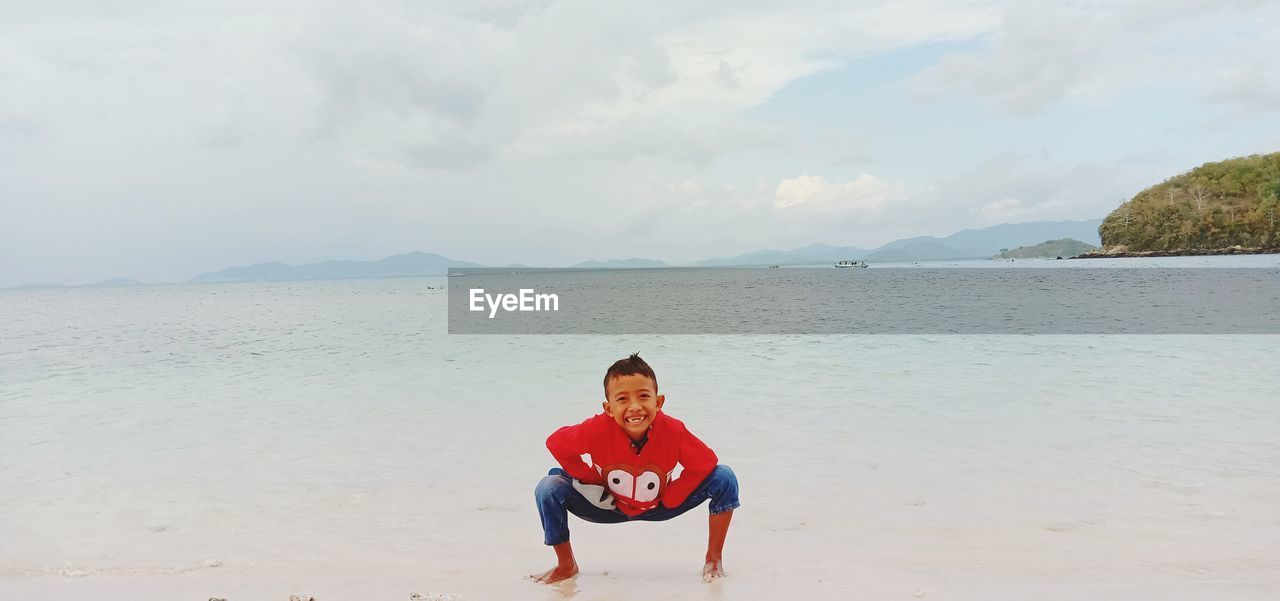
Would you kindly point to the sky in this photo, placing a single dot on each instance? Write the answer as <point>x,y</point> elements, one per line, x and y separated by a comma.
<point>157,140</point>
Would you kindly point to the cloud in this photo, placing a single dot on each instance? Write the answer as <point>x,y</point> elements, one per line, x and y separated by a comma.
<point>1013,187</point>
<point>1001,210</point>
<point>157,140</point>
<point>1046,51</point>
<point>1251,85</point>
<point>864,193</point>
<point>1041,52</point>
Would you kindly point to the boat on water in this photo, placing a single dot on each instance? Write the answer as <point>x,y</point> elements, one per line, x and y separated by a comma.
<point>774,266</point>
<point>848,264</point>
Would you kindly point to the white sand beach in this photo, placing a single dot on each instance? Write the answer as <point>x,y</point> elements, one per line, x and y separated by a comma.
<point>190,460</point>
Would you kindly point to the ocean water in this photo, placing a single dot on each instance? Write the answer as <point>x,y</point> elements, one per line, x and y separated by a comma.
<point>332,432</point>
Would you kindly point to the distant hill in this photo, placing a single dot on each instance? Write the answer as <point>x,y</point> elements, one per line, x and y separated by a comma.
<point>1214,206</point>
<point>631,263</point>
<point>814,254</point>
<point>115,283</point>
<point>966,244</point>
<point>37,286</point>
<point>1065,247</point>
<point>925,248</point>
<point>407,264</point>
<point>1011,235</point>
<point>983,243</point>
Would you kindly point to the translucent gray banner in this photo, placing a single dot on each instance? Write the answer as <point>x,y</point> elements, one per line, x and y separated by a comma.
<point>865,301</point>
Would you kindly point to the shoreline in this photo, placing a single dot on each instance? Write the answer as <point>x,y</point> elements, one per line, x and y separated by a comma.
<point>1186,252</point>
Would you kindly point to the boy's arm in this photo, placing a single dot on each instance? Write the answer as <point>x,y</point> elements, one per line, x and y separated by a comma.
<point>698,460</point>
<point>567,445</point>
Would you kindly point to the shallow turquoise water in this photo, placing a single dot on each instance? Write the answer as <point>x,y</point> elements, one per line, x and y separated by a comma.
<point>334,427</point>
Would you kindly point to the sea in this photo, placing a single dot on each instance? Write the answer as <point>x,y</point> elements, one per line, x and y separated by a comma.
<point>266,439</point>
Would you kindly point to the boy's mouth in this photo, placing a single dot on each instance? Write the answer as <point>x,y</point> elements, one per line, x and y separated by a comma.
<point>638,419</point>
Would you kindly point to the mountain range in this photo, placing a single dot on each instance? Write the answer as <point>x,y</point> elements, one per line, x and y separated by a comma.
<point>812,254</point>
<point>967,244</point>
<point>407,264</point>
<point>107,283</point>
<point>632,263</point>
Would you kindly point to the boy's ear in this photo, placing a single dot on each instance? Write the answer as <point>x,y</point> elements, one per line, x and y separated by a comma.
<point>605,405</point>
<point>661,399</point>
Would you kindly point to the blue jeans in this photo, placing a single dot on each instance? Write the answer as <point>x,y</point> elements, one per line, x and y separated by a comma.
<point>557,499</point>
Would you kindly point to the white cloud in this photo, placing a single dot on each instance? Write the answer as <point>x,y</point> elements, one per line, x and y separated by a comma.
<point>1001,210</point>
<point>1252,84</point>
<point>864,193</point>
<point>159,139</point>
<point>1012,187</point>
<point>1045,51</point>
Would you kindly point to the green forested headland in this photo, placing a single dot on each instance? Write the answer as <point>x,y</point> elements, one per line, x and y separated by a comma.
<point>1216,205</point>
<point>1065,247</point>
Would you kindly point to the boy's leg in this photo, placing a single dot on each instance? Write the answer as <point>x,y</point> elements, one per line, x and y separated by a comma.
<point>721,487</point>
<point>556,497</point>
<point>717,529</point>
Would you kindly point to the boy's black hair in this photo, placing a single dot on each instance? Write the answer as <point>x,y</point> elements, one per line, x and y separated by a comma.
<point>630,366</point>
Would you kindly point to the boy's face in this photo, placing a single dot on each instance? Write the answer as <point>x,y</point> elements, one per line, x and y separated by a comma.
<point>633,402</point>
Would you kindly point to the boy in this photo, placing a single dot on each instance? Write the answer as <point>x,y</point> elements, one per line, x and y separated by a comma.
<point>634,447</point>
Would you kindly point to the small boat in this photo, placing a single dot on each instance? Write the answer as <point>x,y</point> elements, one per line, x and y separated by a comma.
<point>774,266</point>
<point>848,264</point>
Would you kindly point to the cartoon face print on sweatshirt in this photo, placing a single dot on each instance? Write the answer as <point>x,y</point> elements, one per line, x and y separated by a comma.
<point>643,485</point>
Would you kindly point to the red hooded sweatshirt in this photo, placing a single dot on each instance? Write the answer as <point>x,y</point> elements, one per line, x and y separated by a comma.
<point>638,481</point>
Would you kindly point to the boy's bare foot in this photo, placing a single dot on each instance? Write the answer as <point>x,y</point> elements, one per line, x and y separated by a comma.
<point>557,574</point>
<point>713,570</point>
<point>566,565</point>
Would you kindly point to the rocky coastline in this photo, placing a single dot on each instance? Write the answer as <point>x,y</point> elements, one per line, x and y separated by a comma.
<point>1121,251</point>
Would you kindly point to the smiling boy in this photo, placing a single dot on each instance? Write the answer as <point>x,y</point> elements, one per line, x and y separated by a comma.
<point>634,448</point>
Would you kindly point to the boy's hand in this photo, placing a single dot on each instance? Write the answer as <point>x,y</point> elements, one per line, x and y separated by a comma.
<point>596,494</point>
